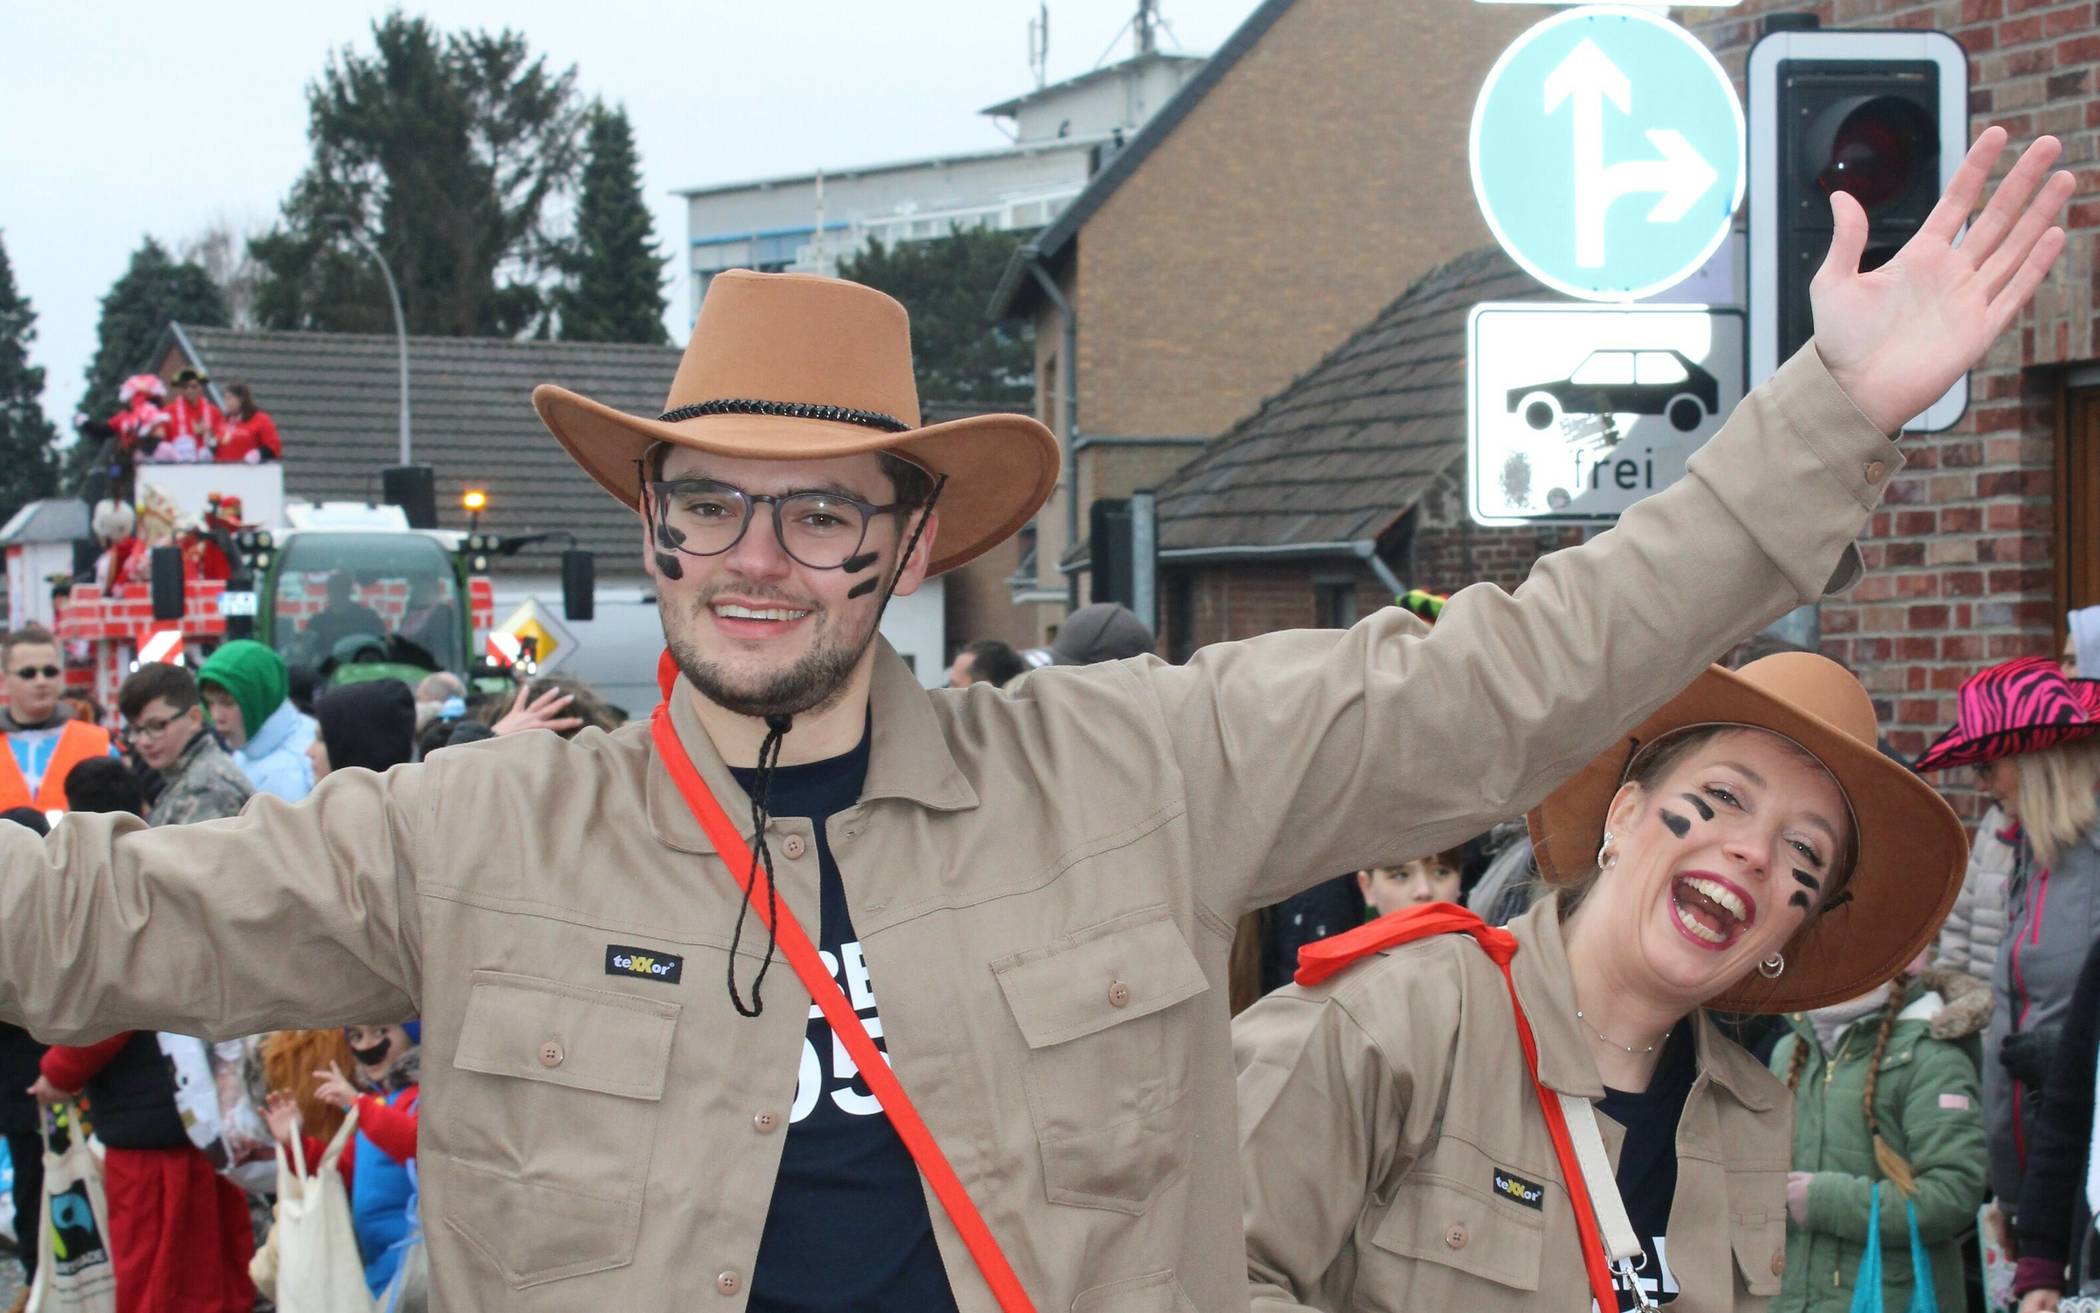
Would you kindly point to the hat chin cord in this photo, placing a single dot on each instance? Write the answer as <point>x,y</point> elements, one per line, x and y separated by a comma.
<point>777,726</point>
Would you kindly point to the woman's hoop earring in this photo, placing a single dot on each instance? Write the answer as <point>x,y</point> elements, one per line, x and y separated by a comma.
<point>1772,967</point>
<point>1606,858</point>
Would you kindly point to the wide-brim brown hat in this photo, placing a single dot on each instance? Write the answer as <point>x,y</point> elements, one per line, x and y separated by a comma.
<point>797,367</point>
<point>1912,849</point>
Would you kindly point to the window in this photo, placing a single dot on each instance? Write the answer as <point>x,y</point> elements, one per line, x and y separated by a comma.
<point>1604,367</point>
<point>351,596</point>
<point>1658,368</point>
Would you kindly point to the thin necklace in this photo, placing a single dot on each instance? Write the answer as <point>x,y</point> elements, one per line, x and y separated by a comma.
<point>1608,1039</point>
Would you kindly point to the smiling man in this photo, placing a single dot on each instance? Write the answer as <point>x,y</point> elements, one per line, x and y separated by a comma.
<point>43,739</point>
<point>1027,899</point>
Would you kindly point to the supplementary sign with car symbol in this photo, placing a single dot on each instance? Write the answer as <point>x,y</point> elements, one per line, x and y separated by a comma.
<point>1607,153</point>
<point>1576,412</point>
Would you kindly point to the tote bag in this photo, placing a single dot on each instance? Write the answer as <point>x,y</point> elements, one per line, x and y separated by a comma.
<point>1866,1285</point>
<point>74,1273</point>
<point>318,1270</point>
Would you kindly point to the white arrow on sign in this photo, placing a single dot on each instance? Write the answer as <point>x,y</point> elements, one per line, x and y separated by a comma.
<point>1680,175</point>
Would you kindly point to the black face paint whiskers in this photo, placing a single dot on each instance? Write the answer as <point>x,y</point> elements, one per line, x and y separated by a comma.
<point>1679,826</point>
<point>1700,805</point>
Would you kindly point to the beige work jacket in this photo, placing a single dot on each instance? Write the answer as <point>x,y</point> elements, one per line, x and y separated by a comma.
<point>1045,885</point>
<point>1393,1155</point>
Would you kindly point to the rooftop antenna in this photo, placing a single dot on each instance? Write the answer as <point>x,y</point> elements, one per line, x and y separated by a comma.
<point>1145,27</point>
<point>1039,44</point>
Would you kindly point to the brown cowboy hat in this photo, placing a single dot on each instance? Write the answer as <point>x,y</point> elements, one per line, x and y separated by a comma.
<point>1912,848</point>
<point>797,367</point>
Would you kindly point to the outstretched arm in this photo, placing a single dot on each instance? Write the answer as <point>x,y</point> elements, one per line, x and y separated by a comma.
<point>1304,754</point>
<point>285,916</point>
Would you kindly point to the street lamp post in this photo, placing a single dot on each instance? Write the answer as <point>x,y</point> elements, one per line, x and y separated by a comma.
<point>393,294</point>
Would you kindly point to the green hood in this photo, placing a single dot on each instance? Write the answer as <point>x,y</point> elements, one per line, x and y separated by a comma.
<point>253,674</point>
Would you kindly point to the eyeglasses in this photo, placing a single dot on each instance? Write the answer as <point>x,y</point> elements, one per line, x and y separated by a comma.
<point>151,729</point>
<point>700,517</point>
<point>33,672</point>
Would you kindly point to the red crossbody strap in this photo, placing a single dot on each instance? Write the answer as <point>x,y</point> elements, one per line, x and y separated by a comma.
<point>1317,961</point>
<point>802,955</point>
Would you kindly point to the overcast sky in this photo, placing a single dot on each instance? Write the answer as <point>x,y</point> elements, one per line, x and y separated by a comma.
<point>119,118</point>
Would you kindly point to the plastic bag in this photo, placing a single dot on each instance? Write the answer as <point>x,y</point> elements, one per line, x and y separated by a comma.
<point>1867,1295</point>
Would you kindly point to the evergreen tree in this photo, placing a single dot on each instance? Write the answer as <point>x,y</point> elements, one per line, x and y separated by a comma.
<point>442,152</point>
<point>28,464</point>
<point>613,289</point>
<point>153,292</point>
<point>945,284</point>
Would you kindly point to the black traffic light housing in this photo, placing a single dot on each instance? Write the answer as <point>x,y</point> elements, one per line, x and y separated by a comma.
<point>1864,128</point>
<point>1882,116</point>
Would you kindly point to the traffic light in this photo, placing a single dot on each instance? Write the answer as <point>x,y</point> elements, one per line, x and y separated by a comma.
<point>1882,116</point>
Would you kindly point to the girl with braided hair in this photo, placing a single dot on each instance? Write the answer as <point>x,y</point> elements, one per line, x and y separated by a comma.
<point>1881,1093</point>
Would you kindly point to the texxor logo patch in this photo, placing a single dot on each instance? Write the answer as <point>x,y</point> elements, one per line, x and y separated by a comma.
<point>648,964</point>
<point>1518,1190</point>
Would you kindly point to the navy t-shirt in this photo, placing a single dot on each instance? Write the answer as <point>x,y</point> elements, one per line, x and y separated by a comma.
<point>1647,1174</point>
<point>848,1227</point>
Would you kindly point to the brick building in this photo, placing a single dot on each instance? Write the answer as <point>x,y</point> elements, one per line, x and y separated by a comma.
<point>1983,542</point>
<point>1314,169</point>
<point>1993,529</point>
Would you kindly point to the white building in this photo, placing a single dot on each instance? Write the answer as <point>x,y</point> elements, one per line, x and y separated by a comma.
<point>1061,136</point>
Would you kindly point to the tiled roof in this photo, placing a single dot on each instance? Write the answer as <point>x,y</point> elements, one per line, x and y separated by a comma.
<point>335,398</point>
<point>1343,452</point>
<point>52,520</point>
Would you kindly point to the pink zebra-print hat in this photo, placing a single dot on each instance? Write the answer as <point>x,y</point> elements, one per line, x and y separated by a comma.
<point>2020,706</point>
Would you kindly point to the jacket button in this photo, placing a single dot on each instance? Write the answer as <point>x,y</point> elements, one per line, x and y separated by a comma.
<point>1875,469</point>
<point>1779,1262</point>
<point>728,1282</point>
<point>764,1122</point>
<point>1455,1236</point>
<point>551,1054</point>
<point>793,846</point>
<point>1118,994</point>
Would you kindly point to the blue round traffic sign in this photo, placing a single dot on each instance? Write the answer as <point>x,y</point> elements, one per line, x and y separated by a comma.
<point>1607,153</point>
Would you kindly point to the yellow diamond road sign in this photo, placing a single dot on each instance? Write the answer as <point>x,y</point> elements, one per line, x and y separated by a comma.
<point>531,634</point>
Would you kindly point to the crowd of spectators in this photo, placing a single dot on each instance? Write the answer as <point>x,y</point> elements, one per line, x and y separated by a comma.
<point>188,1179</point>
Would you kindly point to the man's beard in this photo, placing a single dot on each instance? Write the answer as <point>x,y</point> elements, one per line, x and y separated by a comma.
<point>815,682</point>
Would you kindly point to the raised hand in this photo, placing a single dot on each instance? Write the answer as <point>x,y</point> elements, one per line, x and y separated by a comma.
<point>281,1115</point>
<point>540,713</point>
<point>335,1088</point>
<point>1897,338</point>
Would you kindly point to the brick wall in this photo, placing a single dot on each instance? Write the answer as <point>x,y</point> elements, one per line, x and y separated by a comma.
<point>1962,559</point>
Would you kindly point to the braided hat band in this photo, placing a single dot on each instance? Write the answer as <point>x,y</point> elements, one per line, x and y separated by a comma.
<point>873,419</point>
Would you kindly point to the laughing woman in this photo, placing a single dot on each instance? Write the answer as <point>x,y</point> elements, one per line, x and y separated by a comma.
<point>1411,1140</point>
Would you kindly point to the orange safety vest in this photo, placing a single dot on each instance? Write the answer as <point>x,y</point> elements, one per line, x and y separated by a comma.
<point>76,743</point>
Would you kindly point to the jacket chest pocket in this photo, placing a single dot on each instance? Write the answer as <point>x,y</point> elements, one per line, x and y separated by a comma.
<point>1108,1056</point>
<point>1442,1245</point>
<point>557,1089</point>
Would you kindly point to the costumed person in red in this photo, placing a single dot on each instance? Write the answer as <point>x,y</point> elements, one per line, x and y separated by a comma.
<point>140,423</point>
<point>205,548</point>
<point>157,517</point>
<point>179,1233</point>
<point>195,425</point>
<point>382,1193</point>
<point>251,435</point>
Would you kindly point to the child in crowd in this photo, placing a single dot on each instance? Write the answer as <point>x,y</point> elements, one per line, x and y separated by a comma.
<point>1882,1092</point>
<point>1432,879</point>
<point>376,1171</point>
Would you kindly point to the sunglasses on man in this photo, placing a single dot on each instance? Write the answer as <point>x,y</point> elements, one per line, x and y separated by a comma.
<point>35,672</point>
